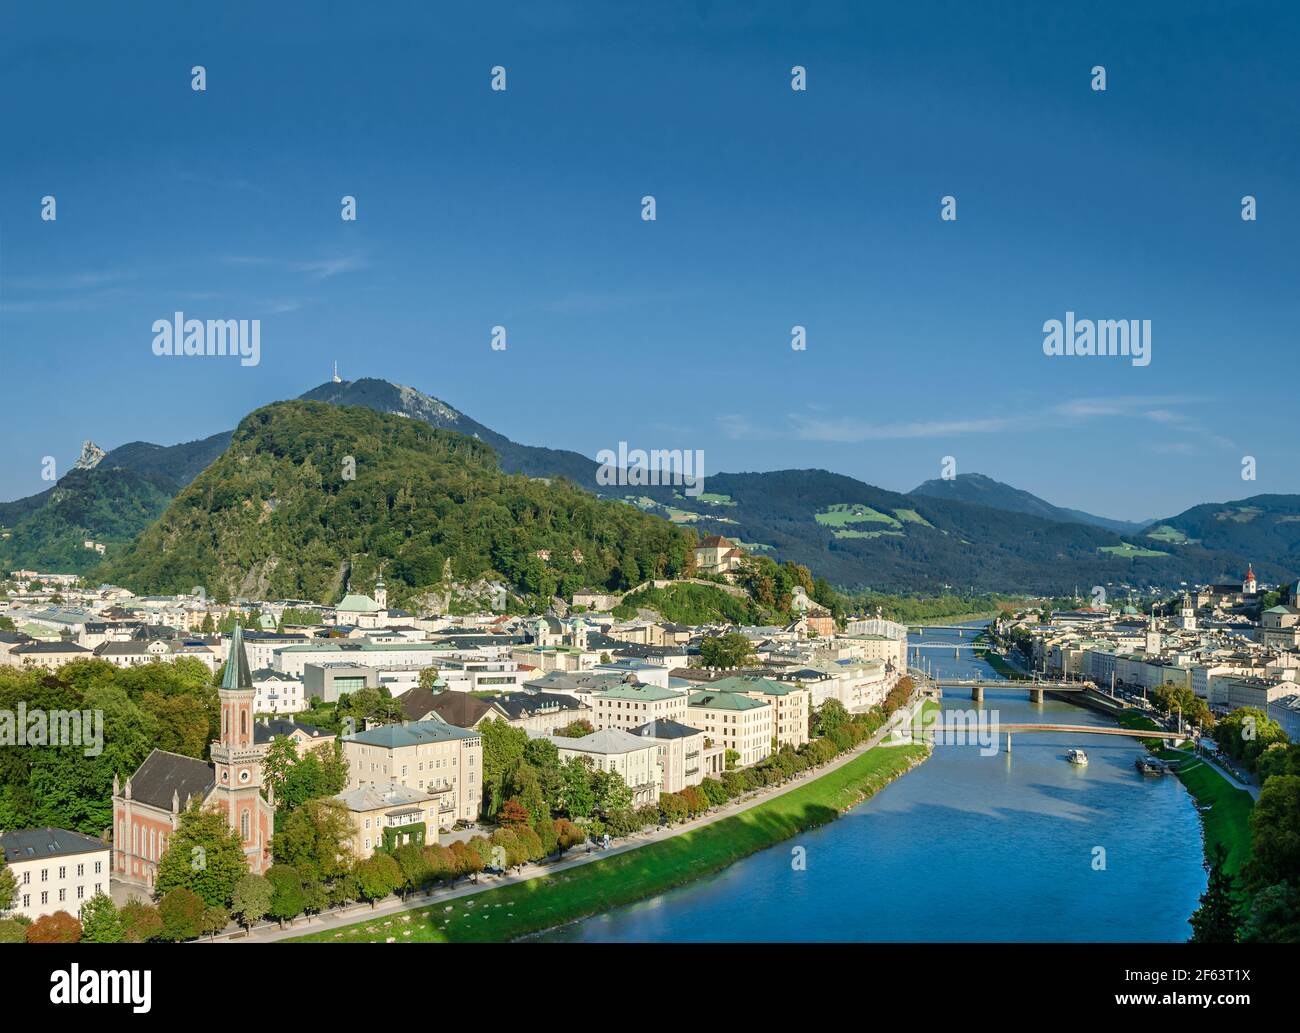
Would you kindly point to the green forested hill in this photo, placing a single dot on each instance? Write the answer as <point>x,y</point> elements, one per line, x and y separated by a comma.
<point>275,516</point>
<point>105,505</point>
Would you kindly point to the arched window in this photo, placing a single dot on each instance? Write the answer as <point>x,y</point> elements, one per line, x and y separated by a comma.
<point>243,724</point>
<point>243,826</point>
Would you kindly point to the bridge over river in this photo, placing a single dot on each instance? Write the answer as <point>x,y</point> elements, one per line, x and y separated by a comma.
<point>1034,686</point>
<point>975,729</point>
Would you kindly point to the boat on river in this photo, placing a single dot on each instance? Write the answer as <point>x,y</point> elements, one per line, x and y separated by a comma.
<point>1077,756</point>
<point>1150,766</point>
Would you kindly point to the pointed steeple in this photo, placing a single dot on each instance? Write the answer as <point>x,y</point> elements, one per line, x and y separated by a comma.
<point>237,674</point>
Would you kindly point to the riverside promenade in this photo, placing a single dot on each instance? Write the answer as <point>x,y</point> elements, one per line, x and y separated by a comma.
<point>270,932</point>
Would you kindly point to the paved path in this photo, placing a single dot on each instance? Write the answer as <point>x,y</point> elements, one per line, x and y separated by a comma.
<point>1233,780</point>
<point>269,932</point>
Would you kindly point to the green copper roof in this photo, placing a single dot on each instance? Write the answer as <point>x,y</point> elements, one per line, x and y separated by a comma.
<point>237,674</point>
<point>357,604</point>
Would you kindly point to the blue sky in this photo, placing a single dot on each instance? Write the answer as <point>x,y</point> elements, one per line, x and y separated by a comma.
<point>775,208</point>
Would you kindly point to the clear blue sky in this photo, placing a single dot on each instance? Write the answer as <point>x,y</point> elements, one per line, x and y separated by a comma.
<point>774,208</point>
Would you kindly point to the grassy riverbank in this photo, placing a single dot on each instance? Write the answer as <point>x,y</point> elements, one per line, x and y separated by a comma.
<point>999,664</point>
<point>509,912</point>
<point>1228,819</point>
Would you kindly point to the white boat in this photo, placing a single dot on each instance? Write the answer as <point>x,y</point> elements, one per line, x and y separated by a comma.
<point>1076,756</point>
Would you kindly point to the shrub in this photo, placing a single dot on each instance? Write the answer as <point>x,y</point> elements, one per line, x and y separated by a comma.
<point>59,927</point>
<point>12,931</point>
<point>141,921</point>
<point>182,914</point>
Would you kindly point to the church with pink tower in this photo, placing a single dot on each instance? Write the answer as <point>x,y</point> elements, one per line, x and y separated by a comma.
<point>147,809</point>
<point>1249,586</point>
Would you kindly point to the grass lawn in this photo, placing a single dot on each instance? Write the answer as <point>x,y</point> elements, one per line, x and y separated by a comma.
<point>512,911</point>
<point>841,514</point>
<point>1228,819</point>
<point>911,516</point>
<point>1130,551</point>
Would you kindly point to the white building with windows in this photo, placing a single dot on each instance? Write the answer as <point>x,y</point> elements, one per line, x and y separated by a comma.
<point>56,870</point>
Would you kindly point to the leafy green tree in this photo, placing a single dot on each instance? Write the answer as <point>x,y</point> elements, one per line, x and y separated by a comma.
<point>730,650</point>
<point>215,919</point>
<point>673,808</point>
<point>12,931</point>
<point>100,921</point>
<point>1278,759</point>
<point>549,838</point>
<point>612,793</point>
<point>318,773</point>
<point>831,715</point>
<point>204,855</point>
<point>1247,733</point>
<point>1274,916</point>
<point>287,900</point>
<point>251,900</point>
<point>8,887</point>
<point>428,677</point>
<point>1275,833</point>
<point>1216,920</point>
<point>312,840</point>
<point>141,921</point>
<point>527,786</point>
<point>415,869</point>
<point>377,877</point>
<point>503,752</point>
<point>182,912</point>
<point>575,729</point>
<point>577,794</point>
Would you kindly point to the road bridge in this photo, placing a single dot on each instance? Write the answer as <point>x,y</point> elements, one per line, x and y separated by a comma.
<point>996,728</point>
<point>1034,686</point>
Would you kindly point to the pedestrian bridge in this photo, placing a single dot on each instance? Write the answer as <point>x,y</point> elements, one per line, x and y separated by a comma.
<point>975,729</point>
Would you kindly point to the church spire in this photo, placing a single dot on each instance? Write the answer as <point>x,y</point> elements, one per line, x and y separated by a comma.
<point>237,675</point>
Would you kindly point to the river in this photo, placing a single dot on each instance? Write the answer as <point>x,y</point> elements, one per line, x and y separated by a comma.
<point>965,847</point>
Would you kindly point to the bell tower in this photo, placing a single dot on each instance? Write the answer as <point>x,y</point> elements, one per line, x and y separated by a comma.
<point>237,757</point>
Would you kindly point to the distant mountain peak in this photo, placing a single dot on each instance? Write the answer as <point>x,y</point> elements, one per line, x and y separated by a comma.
<point>91,454</point>
<point>983,490</point>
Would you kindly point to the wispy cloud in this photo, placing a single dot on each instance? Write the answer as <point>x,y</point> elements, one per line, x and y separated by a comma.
<point>1172,414</point>
<point>849,429</point>
<point>317,268</point>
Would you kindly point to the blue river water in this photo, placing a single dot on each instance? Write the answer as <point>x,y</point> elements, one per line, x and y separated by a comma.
<point>965,847</point>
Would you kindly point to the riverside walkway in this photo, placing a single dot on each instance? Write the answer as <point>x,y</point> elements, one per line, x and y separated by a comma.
<point>269,932</point>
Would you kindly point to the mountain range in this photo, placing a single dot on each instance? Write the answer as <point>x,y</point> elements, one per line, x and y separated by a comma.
<point>969,533</point>
<point>985,491</point>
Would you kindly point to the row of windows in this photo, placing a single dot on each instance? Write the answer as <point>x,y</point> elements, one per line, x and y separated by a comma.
<point>63,872</point>
<point>63,895</point>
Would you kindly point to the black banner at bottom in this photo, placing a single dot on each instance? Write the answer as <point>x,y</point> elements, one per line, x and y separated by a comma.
<point>1074,980</point>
